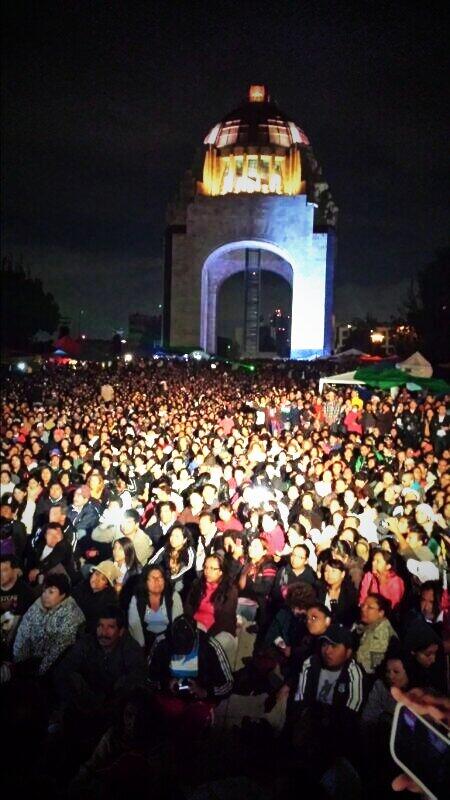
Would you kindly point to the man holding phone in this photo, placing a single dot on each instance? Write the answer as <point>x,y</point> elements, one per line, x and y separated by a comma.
<point>191,673</point>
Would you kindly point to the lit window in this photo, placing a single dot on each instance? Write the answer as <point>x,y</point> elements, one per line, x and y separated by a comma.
<point>278,134</point>
<point>228,134</point>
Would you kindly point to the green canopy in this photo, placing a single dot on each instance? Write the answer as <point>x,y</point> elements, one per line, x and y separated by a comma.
<point>386,377</point>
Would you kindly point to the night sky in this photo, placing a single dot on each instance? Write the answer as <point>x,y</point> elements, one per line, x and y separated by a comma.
<point>106,104</point>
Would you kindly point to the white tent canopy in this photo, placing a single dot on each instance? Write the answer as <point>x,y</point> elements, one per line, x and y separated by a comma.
<point>347,378</point>
<point>417,366</point>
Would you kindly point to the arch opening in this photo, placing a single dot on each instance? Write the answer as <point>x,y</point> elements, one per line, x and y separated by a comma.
<point>229,260</point>
<point>274,323</point>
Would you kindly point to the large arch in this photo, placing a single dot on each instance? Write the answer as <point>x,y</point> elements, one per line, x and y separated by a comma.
<point>215,271</point>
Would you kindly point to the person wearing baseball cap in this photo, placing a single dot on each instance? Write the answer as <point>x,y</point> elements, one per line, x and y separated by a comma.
<point>333,677</point>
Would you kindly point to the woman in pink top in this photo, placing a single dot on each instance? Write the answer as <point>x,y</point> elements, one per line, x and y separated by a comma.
<point>212,600</point>
<point>272,534</point>
<point>382,579</point>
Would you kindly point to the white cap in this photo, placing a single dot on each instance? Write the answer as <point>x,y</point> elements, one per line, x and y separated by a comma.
<point>423,570</point>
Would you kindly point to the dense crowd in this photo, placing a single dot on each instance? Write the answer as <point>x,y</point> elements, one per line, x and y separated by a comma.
<point>178,541</point>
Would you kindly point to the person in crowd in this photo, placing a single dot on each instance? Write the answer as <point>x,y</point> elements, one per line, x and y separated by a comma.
<point>376,719</point>
<point>128,568</point>
<point>212,603</point>
<point>153,607</point>
<point>100,668</point>
<point>191,673</point>
<point>166,518</point>
<point>84,513</point>
<point>256,583</point>
<point>13,535</point>
<point>209,539</point>
<point>377,632</point>
<point>96,591</point>
<point>49,627</point>
<point>129,527</point>
<point>227,521</point>
<point>338,592</point>
<point>382,579</point>
<point>16,597</point>
<point>427,660</point>
<point>177,556</point>
<point>297,570</point>
<point>379,708</point>
<point>332,678</point>
<point>288,630</point>
<point>53,552</point>
<point>272,533</point>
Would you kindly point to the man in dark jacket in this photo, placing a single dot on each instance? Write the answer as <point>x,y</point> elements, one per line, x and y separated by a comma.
<point>188,665</point>
<point>410,431</point>
<point>97,673</point>
<point>84,513</point>
<point>330,687</point>
<point>334,677</point>
<point>52,551</point>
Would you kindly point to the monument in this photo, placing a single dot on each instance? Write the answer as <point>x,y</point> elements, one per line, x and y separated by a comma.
<point>262,204</point>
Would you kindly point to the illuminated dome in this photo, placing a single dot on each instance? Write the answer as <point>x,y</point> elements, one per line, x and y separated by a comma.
<point>255,148</point>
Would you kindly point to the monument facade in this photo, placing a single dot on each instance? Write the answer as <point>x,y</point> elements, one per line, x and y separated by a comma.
<point>262,205</point>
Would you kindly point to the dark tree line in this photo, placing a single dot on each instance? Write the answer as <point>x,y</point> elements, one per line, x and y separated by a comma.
<point>25,307</point>
<point>428,308</point>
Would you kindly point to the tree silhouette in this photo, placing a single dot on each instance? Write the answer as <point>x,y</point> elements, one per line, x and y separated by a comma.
<point>25,307</point>
<point>428,307</point>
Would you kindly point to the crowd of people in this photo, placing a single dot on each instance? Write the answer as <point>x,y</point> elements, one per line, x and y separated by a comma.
<point>155,514</point>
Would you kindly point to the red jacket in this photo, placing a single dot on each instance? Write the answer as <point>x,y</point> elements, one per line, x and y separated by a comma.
<point>392,589</point>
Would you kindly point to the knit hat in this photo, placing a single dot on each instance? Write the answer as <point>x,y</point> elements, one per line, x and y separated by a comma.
<point>419,636</point>
<point>108,569</point>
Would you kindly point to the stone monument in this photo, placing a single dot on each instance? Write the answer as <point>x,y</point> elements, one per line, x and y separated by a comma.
<point>262,205</point>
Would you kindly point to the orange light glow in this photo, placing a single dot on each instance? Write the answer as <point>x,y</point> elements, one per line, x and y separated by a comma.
<point>257,94</point>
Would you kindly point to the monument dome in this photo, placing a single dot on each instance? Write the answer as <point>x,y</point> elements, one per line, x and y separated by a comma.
<point>255,148</point>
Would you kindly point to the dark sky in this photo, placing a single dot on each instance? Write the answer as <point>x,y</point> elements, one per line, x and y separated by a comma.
<point>106,103</point>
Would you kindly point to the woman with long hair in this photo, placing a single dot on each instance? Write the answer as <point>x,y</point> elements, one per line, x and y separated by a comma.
<point>212,599</point>
<point>128,567</point>
<point>153,606</point>
<point>256,582</point>
<point>338,592</point>
<point>382,579</point>
<point>212,603</point>
<point>177,557</point>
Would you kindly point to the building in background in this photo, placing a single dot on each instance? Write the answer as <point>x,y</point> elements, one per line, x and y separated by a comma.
<point>144,331</point>
<point>262,204</point>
